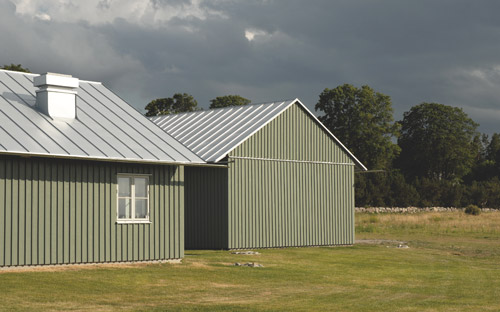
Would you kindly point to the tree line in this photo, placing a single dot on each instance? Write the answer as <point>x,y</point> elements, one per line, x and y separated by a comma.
<point>434,156</point>
<point>183,102</point>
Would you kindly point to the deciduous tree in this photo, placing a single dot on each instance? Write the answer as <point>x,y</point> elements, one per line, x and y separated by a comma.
<point>437,142</point>
<point>493,148</point>
<point>361,119</point>
<point>179,103</point>
<point>228,100</point>
<point>17,67</point>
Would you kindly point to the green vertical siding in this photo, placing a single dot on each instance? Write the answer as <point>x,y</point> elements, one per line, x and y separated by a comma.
<point>292,135</point>
<point>64,211</point>
<point>279,203</point>
<point>206,208</point>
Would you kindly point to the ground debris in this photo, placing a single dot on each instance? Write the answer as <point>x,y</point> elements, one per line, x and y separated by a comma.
<point>249,264</point>
<point>249,252</point>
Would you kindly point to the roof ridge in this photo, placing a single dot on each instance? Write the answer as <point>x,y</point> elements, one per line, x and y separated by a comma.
<point>18,72</point>
<point>35,75</point>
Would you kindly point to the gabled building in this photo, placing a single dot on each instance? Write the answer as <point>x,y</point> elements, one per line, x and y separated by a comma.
<point>284,179</point>
<point>84,177</point>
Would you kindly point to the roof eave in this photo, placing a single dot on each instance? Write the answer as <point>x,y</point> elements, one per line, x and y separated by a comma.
<point>109,159</point>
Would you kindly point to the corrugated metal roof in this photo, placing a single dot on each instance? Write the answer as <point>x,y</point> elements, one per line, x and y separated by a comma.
<point>212,134</point>
<point>106,127</point>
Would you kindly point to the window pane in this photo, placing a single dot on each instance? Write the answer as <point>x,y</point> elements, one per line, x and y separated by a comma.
<point>124,187</point>
<point>124,208</point>
<point>141,189</point>
<point>141,209</point>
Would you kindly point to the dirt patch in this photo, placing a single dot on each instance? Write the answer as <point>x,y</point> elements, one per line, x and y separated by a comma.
<point>221,285</point>
<point>201,265</point>
<point>81,266</point>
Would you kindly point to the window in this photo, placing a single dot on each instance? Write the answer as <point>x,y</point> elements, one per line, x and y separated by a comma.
<point>133,198</point>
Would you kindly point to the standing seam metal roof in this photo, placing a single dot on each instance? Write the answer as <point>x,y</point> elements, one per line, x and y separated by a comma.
<point>212,134</point>
<point>106,127</point>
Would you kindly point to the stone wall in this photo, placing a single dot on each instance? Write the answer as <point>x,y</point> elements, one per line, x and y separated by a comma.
<point>412,209</point>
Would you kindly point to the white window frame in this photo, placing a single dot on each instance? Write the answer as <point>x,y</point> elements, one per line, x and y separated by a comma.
<point>132,219</point>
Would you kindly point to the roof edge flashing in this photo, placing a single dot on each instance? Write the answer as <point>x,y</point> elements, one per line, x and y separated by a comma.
<point>109,159</point>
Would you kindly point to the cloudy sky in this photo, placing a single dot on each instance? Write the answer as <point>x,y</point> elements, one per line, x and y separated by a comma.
<point>265,50</point>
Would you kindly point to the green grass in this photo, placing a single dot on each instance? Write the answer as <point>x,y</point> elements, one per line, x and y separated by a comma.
<point>453,264</point>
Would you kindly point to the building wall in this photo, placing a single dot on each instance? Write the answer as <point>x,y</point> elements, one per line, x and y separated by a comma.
<point>55,211</point>
<point>292,135</point>
<point>206,208</point>
<point>275,203</point>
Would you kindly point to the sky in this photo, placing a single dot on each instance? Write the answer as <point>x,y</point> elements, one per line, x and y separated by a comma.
<point>445,51</point>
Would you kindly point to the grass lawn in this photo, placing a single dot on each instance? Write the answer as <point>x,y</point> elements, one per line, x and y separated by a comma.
<point>453,264</point>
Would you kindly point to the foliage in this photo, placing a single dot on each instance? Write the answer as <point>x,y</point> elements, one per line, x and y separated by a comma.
<point>228,100</point>
<point>384,189</point>
<point>482,171</point>
<point>179,103</point>
<point>391,189</point>
<point>371,190</point>
<point>15,67</point>
<point>472,210</point>
<point>493,148</point>
<point>362,119</point>
<point>484,193</point>
<point>402,194</point>
<point>442,193</point>
<point>436,142</point>
<point>487,163</point>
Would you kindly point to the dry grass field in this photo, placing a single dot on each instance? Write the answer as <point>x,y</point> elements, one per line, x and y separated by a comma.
<point>452,264</point>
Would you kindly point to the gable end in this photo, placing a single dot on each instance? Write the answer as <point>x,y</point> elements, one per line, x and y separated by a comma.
<point>295,134</point>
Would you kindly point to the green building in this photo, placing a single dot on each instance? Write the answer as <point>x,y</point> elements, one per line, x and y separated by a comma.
<point>84,177</point>
<point>284,180</point>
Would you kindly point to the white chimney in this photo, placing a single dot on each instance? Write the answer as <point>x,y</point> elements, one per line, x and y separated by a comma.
<point>56,96</point>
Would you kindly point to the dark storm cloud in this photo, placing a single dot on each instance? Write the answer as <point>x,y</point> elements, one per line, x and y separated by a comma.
<point>414,51</point>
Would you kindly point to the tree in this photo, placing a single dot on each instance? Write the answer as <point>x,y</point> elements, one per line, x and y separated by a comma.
<point>437,142</point>
<point>485,166</point>
<point>179,103</point>
<point>484,193</point>
<point>228,100</point>
<point>371,190</point>
<point>493,148</point>
<point>15,67</point>
<point>401,193</point>
<point>443,193</point>
<point>362,120</point>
